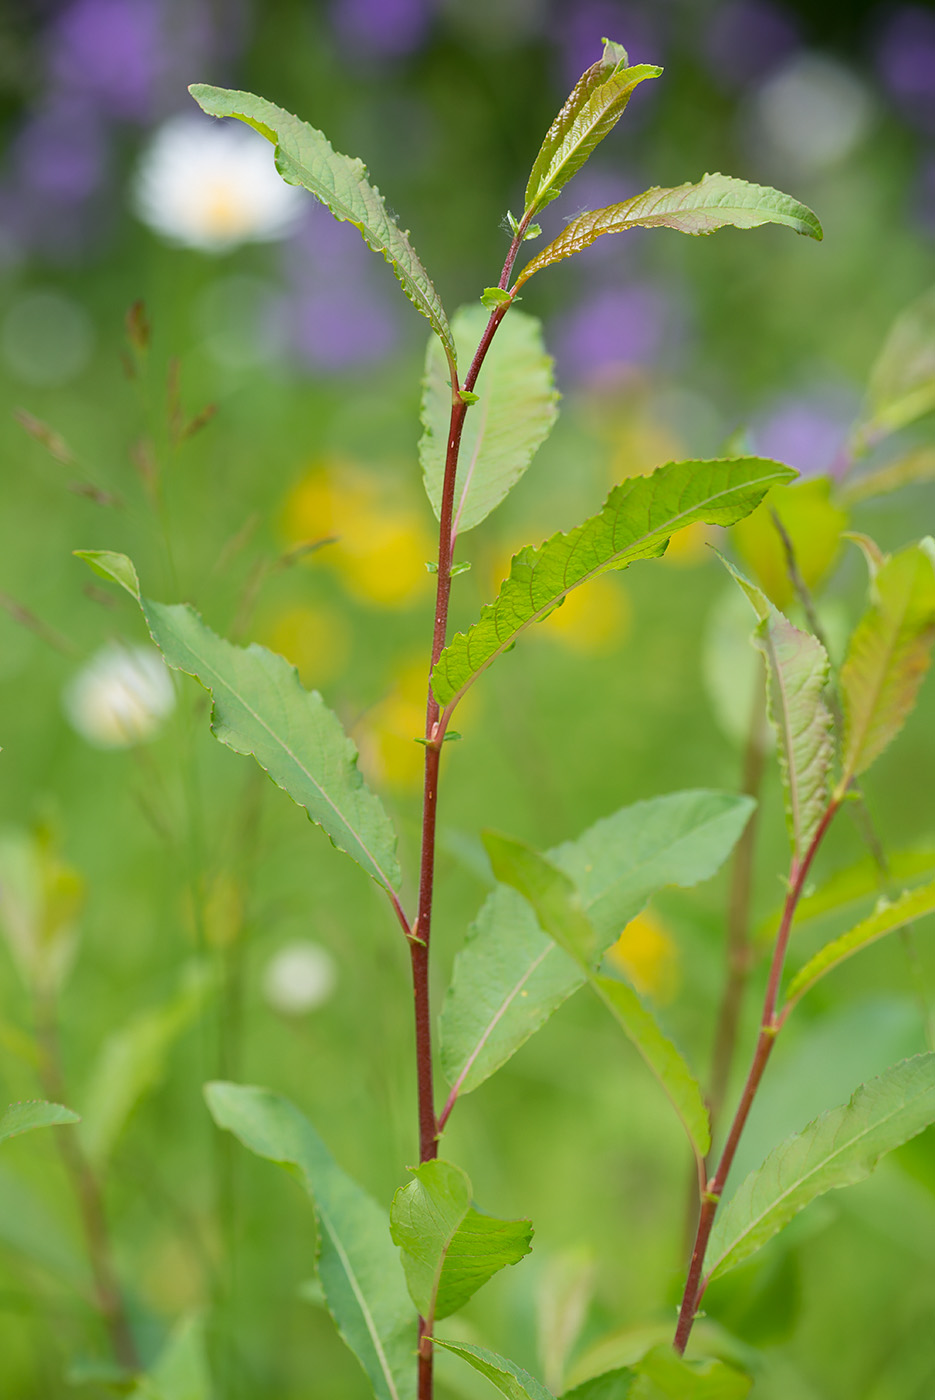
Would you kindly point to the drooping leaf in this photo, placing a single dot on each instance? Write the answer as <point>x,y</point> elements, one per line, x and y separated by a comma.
<point>132,1061</point>
<point>887,918</point>
<point>449,1250</point>
<point>798,671</point>
<point>305,157</point>
<point>813,520</point>
<point>261,708</point>
<point>358,1264</point>
<point>888,656</point>
<point>915,468</point>
<point>902,381</point>
<point>181,1371</point>
<point>637,521</point>
<point>510,977</point>
<point>838,1149</point>
<point>663,1375</point>
<point>589,114</point>
<point>23,1117</point>
<point>716,201</point>
<point>612,1385</point>
<point>556,904</point>
<point>511,1380</point>
<point>514,412</point>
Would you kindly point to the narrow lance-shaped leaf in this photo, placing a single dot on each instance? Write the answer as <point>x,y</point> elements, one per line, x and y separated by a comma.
<point>637,521</point>
<point>511,1380</point>
<point>887,918</point>
<point>305,157</point>
<point>514,413</point>
<point>838,1149</point>
<point>590,113</point>
<point>902,381</point>
<point>261,708</point>
<point>449,1250</point>
<point>358,1265</point>
<point>798,671</point>
<point>888,656</point>
<point>917,467</point>
<point>36,1113</point>
<point>510,976</point>
<point>850,887</point>
<point>555,902</point>
<point>716,201</point>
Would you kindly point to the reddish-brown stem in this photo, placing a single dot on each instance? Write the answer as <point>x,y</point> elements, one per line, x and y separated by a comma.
<point>769,1028</point>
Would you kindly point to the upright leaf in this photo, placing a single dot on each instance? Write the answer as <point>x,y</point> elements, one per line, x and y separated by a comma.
<point>36,1113</point>
<point>514,413</point>
<point>637,522</point>
<point>902,381</point>
<point>798,672</point>
<point>305,157</point>
<point>886,918</point>
<point>888,656</point>
<point>663,1375</point>
<point>449,1250</point>
<point>556,905</point>
<point>511,1380</point>
<point>261,708</point>
<point>716,201</point>
<point>837,1149</point>
<point>181,1370</point>
<point>590,113</point>
<point>510,977</point>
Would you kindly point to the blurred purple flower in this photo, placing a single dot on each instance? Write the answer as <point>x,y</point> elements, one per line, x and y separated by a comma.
<point>61,152</point>
<point>808,432</point>
<point>620,326</point>
<point>384,28</point>
<point>925,195</point>
<point>113,51</point>
<point>906,61</point>
<point>581,28</point>
<point>747,39</point>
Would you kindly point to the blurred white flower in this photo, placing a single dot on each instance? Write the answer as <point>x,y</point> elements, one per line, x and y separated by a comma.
<point>300,977</point>
<point>121,697</point>
<point>213,185</point>
<point>812,113</point>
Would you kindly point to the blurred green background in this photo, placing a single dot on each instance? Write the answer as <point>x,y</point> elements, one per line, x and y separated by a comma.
<point>285,323</point>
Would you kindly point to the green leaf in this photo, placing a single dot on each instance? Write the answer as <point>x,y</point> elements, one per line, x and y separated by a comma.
<point>590,113</point>
<point>716,201</point>
<point>181,1371</point>
<point>612,1385</point>
<point>515,412</point>
<point>511,1380</point>
<point>261,708</point>
<point>358,1265</point>
<point>851,886</point>
<point>510,977</point>
<point>115,567</point>
<point>637,521</point>
<point>492,297</point>
<point>886,918</point>
<point>888,656</point>
<point>449,1250</point>
<point>29,1226</point>
<point>663,1375</point>
<point>902,381</point>
<point>304,156</point>
<point>564,1292</point>
<point>838,1149</point>
<point>798,672</point>
<point>36,1113</point>
<point>915,468</point>
<point>132,1062</point>
<point>549,890</point>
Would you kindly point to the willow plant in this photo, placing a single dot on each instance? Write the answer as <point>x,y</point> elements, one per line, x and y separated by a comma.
<point>390,1279</point>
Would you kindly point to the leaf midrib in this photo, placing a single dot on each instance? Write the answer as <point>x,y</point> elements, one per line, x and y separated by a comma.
<point>361,1299</point>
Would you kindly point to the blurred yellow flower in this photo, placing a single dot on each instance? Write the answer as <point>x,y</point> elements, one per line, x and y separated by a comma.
<point>594,619</point>
<point>647,955</point>
<point>382,542</point>
<point>812,520</point>
<point>315,640</point>
<point>689,547</point>
<point>389,751</point>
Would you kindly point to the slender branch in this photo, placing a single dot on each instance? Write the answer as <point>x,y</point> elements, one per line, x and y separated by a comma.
<point>88,1194</point>
<point>769,1028</point>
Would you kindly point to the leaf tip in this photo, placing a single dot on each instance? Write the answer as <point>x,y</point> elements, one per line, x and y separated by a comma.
<point>118,568</point>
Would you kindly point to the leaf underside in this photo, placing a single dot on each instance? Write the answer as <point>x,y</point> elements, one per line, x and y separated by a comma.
<point>358,1265</point>
<point>305,157</point>
<point>838,1149</point>
<point>716,201</point>
<point>509,977</point>
<point>514,414</point>
<point>637,521</point>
